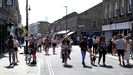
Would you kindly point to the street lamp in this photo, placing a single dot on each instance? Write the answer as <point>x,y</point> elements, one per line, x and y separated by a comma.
<point>27,16</point>
<point>66,18</point>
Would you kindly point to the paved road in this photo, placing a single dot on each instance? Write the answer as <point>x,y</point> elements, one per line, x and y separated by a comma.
<point>52,65</point>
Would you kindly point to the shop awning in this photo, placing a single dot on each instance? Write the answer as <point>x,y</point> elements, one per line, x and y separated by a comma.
<point>63,32</point>
<point>70,33</point>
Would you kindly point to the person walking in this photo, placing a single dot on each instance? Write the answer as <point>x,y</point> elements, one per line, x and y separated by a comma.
<point>95,45</point>
<point>47,45</point>
<point>102,49</point>
<point>120,45</point>
<point>39,44</point>
<point>10,47</point>
<point>54,44</point>
<point>65,52</point>
<point>114,38</point>
<point>90,44</point>
<point>83,46</point>
<point>16,44</point>
<point>33,45</point>
<point>127,50</point>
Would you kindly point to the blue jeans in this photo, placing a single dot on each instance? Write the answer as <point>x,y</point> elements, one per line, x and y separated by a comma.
<point>83,53</point>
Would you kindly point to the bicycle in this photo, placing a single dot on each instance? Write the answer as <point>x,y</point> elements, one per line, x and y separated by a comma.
<point>28,56</point>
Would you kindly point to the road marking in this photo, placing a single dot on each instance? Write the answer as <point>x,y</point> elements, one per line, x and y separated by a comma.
<point>39,65</point>
<point>51,72</point>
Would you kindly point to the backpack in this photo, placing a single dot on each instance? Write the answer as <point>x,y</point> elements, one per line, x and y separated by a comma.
<point>90,41</point>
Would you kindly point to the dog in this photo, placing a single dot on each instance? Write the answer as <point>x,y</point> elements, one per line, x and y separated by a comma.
<point>92,59</point>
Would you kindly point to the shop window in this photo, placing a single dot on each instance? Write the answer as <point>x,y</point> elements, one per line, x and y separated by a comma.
<point>125,32</point>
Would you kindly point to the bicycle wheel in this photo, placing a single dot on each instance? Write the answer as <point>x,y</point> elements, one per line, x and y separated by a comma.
<point>28,59</point>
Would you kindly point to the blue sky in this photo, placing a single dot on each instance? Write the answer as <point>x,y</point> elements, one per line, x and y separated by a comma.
<point>51,10</point>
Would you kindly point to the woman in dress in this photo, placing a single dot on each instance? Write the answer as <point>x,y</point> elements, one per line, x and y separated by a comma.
<point>127,50</point>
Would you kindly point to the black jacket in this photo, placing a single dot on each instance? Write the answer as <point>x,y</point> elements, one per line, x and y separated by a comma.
<point>83,45</point>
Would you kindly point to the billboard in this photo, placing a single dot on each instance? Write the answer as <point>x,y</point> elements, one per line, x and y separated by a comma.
<point>1,3</point>
<point>9,2</point>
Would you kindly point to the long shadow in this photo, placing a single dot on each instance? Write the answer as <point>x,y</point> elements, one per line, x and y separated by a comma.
<point>107,66</point>
<point>32,65</point>
<point>128,66</point>
<point>9,67</point>
<point>68,66</point>
<point>2,56</point>
<point>87,66</point>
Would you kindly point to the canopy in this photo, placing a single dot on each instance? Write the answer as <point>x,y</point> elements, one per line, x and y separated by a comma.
<point>63,32</point>
<point>70,33</point>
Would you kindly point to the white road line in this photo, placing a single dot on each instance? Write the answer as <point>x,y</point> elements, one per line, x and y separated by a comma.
<point>51,72</point>
<point>39,64</point>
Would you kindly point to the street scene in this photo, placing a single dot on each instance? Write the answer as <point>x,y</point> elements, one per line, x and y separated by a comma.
<point>66,37</point>
<point>52,65</point>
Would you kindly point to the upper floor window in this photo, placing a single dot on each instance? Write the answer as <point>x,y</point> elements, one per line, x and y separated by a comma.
<point>122,7</point>
<point>105,13</point>
<point>110,11</point>
<point>115,9</point>
<point>94,23</point>
<point>129,6</point>
<point>1,3</point>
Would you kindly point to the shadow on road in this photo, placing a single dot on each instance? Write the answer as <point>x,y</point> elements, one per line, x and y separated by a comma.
<point>9,67</point>
<point>68,66</point>
<point>32,65</point>
<point>87,66</point>
<point>128,66</point>
<point>107,66</point>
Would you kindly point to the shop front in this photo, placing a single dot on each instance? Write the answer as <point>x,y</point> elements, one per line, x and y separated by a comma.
<point>123,28</point>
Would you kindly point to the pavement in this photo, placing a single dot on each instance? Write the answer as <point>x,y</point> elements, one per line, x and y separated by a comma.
<point>23,69</point>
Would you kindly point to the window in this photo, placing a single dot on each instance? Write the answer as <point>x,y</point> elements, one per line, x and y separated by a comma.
<point>110,11</point>
<point>129,6</point>
<point>94,23</point>
<point>115,9</point>
<point>105,13</point>
<point>9,2</point>
<point>122,7</point>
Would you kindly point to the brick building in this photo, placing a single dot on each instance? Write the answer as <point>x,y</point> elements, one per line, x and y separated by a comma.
<point>118,17</point>
<point>90,21</point>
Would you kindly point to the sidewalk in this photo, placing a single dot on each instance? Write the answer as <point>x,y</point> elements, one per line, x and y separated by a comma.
<point>21,69</point>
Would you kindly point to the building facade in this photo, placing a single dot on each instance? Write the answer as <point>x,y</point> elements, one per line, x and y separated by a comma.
<point>90,21</point>
<point>9,17</point>
<point>118,17</point>
<point>39,28</point>
<point>67,23</point>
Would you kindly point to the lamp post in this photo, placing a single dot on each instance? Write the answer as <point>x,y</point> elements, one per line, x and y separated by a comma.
<point>27,16</point>
<point>66,18</point>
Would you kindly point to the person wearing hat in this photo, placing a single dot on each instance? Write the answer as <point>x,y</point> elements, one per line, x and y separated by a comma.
<point>83,46</point>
